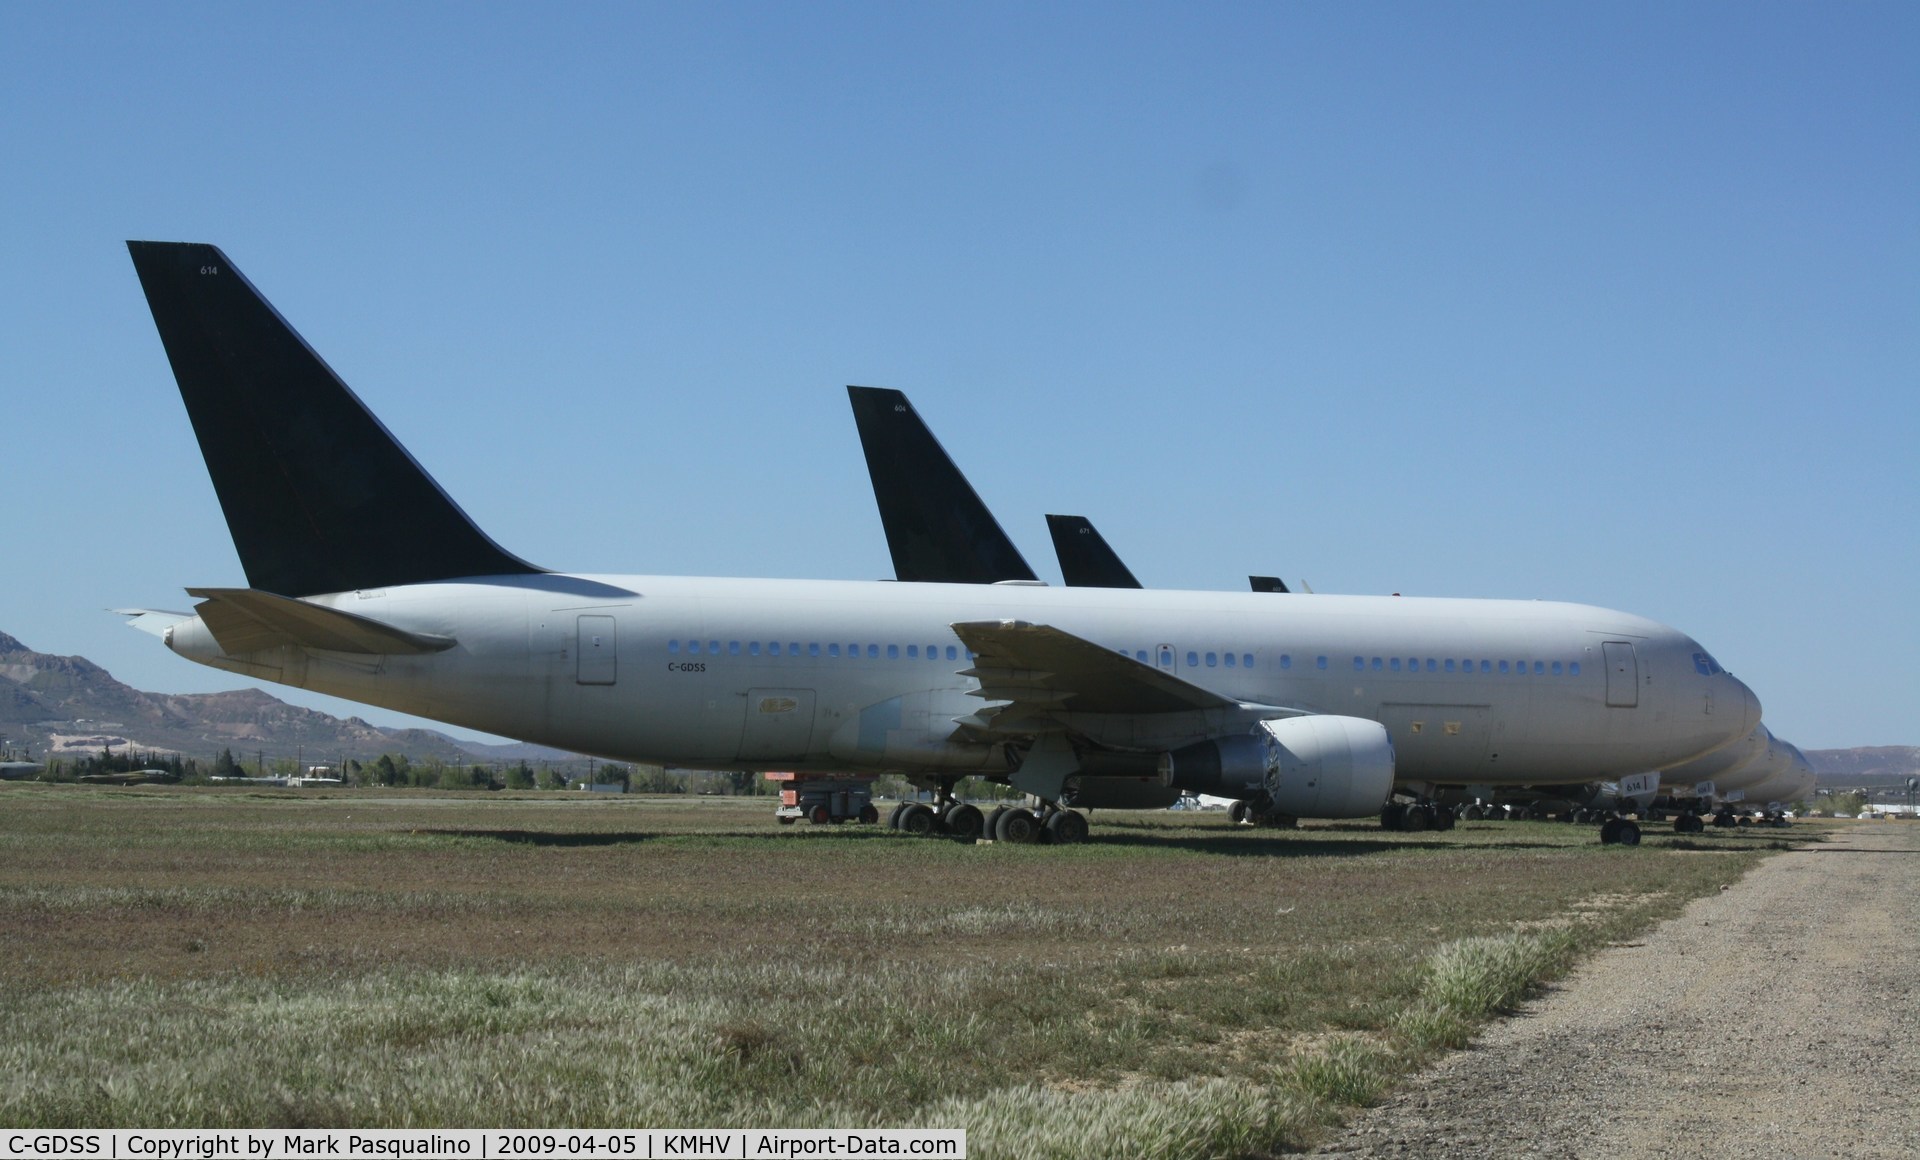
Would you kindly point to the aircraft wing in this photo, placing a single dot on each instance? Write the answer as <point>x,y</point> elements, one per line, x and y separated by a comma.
<point>1041,668</point>
<point>248,620</point>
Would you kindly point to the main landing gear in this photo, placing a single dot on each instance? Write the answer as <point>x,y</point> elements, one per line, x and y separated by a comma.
<point>1051,823</point>
<point>1413,817</point>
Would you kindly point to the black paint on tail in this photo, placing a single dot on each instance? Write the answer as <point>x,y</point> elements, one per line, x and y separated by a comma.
<point>937,528</point>
<point>318,495</point>
<point>1086,560</point>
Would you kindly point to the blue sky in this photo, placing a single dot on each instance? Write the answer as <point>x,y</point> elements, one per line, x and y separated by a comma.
<point>1617,304</point>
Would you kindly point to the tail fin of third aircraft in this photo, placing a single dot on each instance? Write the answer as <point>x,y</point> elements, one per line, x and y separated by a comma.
<point>318,495</point>
<point>937,527</point>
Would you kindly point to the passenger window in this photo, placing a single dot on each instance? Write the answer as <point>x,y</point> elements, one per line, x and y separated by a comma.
<point>1503,666</point>
<point>950,653</point>
<point>1449,664</point>
<point>873,650</point>
<point>1376,664</point>
<point>773,648</point>
<point>753,648</point>
<point>1556,668</point>
<point>1246,660</point>
<point>1229,660</point>
<point>913,652</point>
<point>1486,666</point>
<point>1430,665</point>
<point>713,646</point>
<point>1573,670</point>
<point>1393,664</point>
<point>833,650</point>
<point>1286,662</point>
<point>1539,668</point>
<point>1320,662</point>
<point>733,648</point>
<point>933,652</point>
<point>793,648</point>
<point>813,648</point>
<point>1213,660</point>
<point>693,646</point>
<point>893,652</point>
<point>853,650</point>
<point>1140,655</point>
<point>673,646</point>
<point>1193,660</point>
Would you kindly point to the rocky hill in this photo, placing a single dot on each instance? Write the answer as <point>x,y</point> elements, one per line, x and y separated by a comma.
<point>1866,765</point>
<point>68,705</point>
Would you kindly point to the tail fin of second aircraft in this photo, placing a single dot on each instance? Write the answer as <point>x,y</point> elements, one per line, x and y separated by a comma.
<point>938,530</point>
<point>1086,559</point>
<point>318,495</point>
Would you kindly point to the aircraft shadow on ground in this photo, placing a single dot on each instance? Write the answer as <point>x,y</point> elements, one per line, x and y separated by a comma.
<point>544,837</point>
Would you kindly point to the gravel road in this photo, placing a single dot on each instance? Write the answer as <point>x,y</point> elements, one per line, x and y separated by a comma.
<point>1778,1018</point>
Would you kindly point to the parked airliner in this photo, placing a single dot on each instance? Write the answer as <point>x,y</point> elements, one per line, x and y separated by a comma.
<point>367,582</point>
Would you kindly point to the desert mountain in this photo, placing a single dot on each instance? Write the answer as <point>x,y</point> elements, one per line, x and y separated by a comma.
<point>57,704</point>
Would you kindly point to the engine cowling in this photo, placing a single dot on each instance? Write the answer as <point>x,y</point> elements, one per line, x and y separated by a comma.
<point>1309,767</point>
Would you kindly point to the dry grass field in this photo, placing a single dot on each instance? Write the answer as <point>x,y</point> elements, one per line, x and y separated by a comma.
<point>1175,987</point>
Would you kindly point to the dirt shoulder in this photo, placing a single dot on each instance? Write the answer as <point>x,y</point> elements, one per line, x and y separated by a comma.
<point>1779,1018</point>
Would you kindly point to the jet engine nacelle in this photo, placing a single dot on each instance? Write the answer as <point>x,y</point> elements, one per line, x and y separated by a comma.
<point>1309,767</point>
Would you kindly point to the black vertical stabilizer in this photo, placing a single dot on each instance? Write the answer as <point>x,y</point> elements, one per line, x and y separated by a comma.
<point>937,528</point>
<point>1086,561</point>
<point>1267,583</point>
<point>318,495</point>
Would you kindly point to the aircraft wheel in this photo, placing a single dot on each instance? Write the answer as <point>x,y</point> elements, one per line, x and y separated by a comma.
<point>893,816</point>
<point>1018,826</point>
<point>1723,819</point>
<point>1629,833</point>
<point>1414,819</point>
<point>964,822</point>
<point>919,820</point>
<point>1067,827</point>
<point>990,829</point>
<point>868,814</point>
<point>1238,812</point>
<point>1473,813</point>
<point>1444,818</point>
<point>1393,816</point>
<point>1610,831</point>
<point>1744,820</point>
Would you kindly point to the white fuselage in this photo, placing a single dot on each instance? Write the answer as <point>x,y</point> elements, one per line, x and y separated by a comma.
<point>793,674</point>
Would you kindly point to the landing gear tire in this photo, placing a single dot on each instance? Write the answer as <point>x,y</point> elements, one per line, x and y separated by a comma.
<point>1619,832</point>
<point>1239,813</point>
<point>1393,816</point>
<point>1066,828</point>
<point>1473,813</point>
<point>919,820</point>
<point>893,817</point>
<point>1018,826</point>
<point>1414,819</point>
<point>1688,824</point>
<point>964,822</point>
<point>990,829</point>
<point>1444,818</point>
<point>869,815</point>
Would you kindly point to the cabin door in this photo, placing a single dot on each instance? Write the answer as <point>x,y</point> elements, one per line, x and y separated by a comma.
<point>1623,674</point>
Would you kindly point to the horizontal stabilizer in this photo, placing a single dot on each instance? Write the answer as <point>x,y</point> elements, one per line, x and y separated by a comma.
<point>154,621</point>
<point>1086,560</point>
<point>938,529</point>
<point>1038,666</point>
<point>246,620</point>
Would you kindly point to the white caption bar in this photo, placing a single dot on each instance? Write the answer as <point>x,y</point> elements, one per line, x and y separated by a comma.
<point>476,1144</point>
